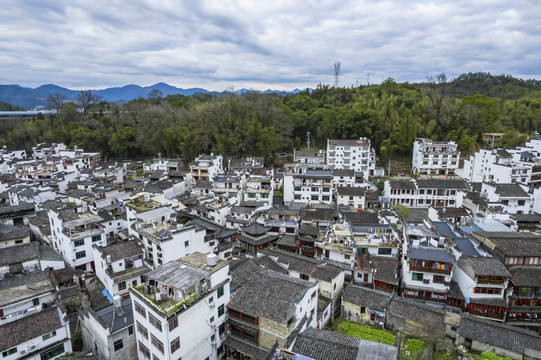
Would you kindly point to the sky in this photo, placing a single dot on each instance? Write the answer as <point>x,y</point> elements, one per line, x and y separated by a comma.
<point>281,45</point>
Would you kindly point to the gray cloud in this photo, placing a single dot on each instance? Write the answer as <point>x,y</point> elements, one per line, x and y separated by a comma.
<point>257,44</point>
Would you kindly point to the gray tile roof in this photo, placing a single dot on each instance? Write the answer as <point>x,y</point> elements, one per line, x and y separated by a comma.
<point>29,327</point>
<point>121,250</point>
<point>442,184</point>
<point>432,254</point>
<point>373,299</point>
<point>305,265</point>
<point>525,275</point>
<point>270,295</point>
<point>501,335</point>
<point>482,266</point>
<point>21,253</point>
<point>513,243</point>
<point>511,190</point>
<point>402,184</point>
<point>255,229</point>
<point>363,218</point>
<point>9,232</point>
<point>327,345</point>
<point>386,269</point>
<point>269,263</point>
<point>426,315</point>
<point>350,191</point>
<point>241,270</point>
<point>116,320</point>
<point>343,172</point>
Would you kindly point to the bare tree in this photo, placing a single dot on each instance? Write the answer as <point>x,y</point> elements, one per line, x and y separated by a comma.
<point>155,95</point>
<point>437,90</point>
<point>86,99</point>
<point>55,101</point>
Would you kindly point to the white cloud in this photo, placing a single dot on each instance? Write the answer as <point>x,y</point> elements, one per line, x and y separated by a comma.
<point>275,44</point>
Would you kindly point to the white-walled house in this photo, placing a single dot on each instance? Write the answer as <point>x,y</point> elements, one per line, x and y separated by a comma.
<point>352,196</point>
<point>206,167</point>
<point>483,282</point>
<point>352,154</point>
<point>109,332</point>
<point>180,312</point>
<point>312,187</point>
<point>436,158</point>
<point>511,198</point>
<point>73,235</point>
<point>120,264</point>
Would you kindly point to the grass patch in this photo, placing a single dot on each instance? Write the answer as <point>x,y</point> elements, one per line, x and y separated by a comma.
<point>364,332</point>
<point>413,349</point>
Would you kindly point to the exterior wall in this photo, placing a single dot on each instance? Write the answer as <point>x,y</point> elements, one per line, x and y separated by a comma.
<point>359,158</point>
<point>270,332</point>
<point>25,307</point>
<point>467,284</point>
<point>356,201</point>
<point>315,193</point>
<point>429,157</point>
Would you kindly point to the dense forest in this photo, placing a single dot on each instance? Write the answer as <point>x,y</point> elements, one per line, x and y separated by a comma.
<point>391,114</point>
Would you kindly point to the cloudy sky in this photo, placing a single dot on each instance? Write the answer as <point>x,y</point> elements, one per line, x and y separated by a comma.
<point>263,44</point>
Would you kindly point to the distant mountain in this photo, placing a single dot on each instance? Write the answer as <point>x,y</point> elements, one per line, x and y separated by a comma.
<point>29,98</point>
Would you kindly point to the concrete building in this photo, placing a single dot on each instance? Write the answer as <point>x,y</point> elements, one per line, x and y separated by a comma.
<point>180,311</point>
<point>312,187</point>
<point>256,324</point>
<point>352,154</point>
<point>74,234</point>
<point>110,332</point>
<point>206,167</point>
<point>425,192</point>
<point>120,264</point>
<point>434,158</point>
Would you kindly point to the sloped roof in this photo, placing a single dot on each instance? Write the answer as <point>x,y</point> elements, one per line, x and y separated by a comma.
<point>374,299</point>
<point>482,266</point>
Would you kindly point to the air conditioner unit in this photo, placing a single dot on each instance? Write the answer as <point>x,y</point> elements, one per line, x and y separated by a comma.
<point>33,347</point>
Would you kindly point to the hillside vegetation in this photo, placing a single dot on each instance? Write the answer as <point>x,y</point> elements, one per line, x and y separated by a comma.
<point>391,114</point>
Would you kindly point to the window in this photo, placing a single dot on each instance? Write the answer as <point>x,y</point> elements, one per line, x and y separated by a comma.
<point>79,242</point>
<point>221,310</point>
<point>438,279</point>
<point>130,330</point>
<point>155,322</point>
<point>9,352</point>
<point>173,324</point>
<point>325,198</point>
<point>121,286</point>
<point>417,276</point>
<point>187,243</point>
<point>297,188</point>
<point>251,195</point>
<point>314,197</point>
<point>48,336</point>
<point>157,343</point>
<point>221,329</point>
<point>96,238</point>
<point>313,189</point>
<point>144,350</point>
<point>384,251</point>
<point>326,189</point>
<point>35,302</point>
<point>175,345</point>
<point>485,290</point>
<point>264,196</point>
<point>51,353</point>
<point>220,292</point>
<point>118,345</point>
<point>304,276</point>
<point>296,197</point>
<point>142,330</point>
<point>80,254</point>
<point>141,310</point>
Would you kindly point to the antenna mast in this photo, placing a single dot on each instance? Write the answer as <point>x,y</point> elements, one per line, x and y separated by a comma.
<point>336,73</point>
<point>308,139</point>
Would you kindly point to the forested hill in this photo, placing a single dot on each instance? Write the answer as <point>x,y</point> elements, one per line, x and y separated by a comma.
<point>4,106</point>
<point>391,114</point>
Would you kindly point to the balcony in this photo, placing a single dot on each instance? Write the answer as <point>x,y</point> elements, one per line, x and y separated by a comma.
<point>430,269</point>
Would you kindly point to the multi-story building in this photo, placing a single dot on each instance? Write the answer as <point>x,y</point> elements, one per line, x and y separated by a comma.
<point>270,307</point>
<point>32,326</point>
<point>426,192</point>
<point>206,167</point>
<point>312,187</point>
<point>483,282</point>
<point>352,196</point>
<point>434,158</point>
<point>163,239</point>
<point>283,220</point>
<point>259,190</point>
<point>309,156</point>
<point>426,272</point>
<point>74,234</point>
<point>181,311</point>
<point>352,154</point>
<point>110,332</point>
<point>119,265</point>
<point>508,198</point>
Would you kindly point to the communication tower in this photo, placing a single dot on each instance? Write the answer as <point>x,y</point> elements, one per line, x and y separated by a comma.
<point>336,74</point>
